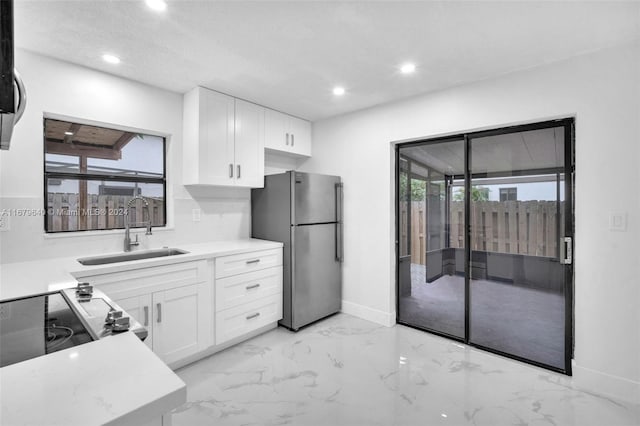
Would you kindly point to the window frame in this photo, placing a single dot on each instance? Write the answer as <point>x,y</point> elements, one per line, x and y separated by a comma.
<point>99,177</point>
<point>507,191</point>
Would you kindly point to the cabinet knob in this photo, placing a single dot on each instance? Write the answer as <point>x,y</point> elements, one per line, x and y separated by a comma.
<point>112,316</point>
<point>121,324</point>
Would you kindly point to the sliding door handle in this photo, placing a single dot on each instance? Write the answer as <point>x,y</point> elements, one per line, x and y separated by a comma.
<point>566,250</point>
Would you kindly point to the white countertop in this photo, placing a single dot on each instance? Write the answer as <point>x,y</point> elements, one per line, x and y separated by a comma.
<point>20,279</point>
<point>113,381</point>
<point>116,380</point>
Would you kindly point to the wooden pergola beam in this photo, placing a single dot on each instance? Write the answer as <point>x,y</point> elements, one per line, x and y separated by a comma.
<point>123,140</point>
<point>56,146</point>
<point>73,129</point>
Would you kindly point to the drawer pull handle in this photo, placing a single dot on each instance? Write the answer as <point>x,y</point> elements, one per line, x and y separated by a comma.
<point>249,287</point>
<point>249,262</point>
<point>252,316</point>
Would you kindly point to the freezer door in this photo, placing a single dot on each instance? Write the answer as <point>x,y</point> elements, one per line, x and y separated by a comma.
<point>317,276</point>
<point>314,198</point>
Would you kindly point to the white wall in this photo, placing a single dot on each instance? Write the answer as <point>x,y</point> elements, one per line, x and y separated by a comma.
<point>602,91</point>
<point>66,89</point>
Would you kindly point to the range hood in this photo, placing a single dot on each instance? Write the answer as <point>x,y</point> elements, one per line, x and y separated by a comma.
<point>13,97</point>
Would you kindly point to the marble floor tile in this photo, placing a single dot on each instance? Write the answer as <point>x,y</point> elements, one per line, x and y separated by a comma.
<point>347,371</point>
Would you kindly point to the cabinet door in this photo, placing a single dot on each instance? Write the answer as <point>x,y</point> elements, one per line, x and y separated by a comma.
<point>216,138</point>
<point>300,139</point>
<point>178,323</point>
<point>276,133</point>
<point>140,308</point>
<point>249,145</point>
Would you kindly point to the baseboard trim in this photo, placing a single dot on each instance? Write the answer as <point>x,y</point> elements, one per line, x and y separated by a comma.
<point>606,384</point>
<point>388,319</point>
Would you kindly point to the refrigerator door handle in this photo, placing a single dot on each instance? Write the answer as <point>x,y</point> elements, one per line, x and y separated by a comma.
<point>339,224</point>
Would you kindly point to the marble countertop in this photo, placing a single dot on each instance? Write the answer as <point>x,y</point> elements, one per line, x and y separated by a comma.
<point>20,279</point>
<point>113,381</point>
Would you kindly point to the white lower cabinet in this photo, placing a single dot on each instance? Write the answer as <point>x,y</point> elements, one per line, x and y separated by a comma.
<point>139,307</point>
<point>189,311</point>
<point>248,293</point>
<point>244,288</point>
<point>174,303</point>
<point>172,318</point>
<point>245,318</point>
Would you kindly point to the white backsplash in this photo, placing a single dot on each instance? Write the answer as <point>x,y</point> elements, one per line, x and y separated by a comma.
<point>224,215</point>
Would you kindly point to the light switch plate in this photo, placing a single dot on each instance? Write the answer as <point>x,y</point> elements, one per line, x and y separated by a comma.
<point>618,221</point>
<point>5,223</point>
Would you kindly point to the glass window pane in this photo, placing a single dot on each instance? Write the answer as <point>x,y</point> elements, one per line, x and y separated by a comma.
<point>78,205</point>
<point>141,156</point>
<point>56,163</point>
<point>134,163</point>
<point>100,150</point>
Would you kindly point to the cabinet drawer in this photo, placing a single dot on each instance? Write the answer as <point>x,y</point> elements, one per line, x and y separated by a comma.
<point>235,322</point>
<point>235,264</point>
<point>245,288</point>
<point>138,281</point>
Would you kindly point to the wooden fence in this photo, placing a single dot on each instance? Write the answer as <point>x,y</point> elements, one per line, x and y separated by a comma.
<point>101,212</point>
<point>519,227</point>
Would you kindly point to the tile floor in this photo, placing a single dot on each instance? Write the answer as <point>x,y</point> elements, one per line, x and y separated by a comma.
<point>347,371</point>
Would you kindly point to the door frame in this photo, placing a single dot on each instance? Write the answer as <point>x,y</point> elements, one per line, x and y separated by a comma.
<point>569,170</point>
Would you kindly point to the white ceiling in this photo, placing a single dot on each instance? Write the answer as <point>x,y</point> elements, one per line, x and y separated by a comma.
<point>289,55</point>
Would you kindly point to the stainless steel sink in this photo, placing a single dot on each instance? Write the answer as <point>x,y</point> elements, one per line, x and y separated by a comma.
<point>137,255</point>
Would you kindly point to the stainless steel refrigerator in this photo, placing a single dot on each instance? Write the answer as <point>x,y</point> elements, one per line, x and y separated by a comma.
<point>304,211</point>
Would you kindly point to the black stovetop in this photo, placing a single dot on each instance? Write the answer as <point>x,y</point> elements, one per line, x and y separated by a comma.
<point>38,325</point>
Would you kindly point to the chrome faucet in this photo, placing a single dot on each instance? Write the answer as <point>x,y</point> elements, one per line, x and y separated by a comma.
<point>127,224</point>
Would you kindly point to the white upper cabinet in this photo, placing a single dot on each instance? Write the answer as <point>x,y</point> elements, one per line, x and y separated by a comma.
<point>249,145</point>
<point>287,134</point>
<point>223,140</point>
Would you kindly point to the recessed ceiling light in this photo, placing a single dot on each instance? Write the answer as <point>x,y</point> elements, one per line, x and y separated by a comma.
<point>407,68</point>
<point>338,91</point>
<point>158,5</point>
<point>110,58</point>
<point>68,133</point>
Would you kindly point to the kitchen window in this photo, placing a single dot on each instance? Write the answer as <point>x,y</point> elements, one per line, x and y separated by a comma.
<point>91,173</point>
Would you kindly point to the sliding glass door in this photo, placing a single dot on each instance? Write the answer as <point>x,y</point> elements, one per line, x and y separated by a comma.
<point>497,225</point>
<point>431,282</point>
